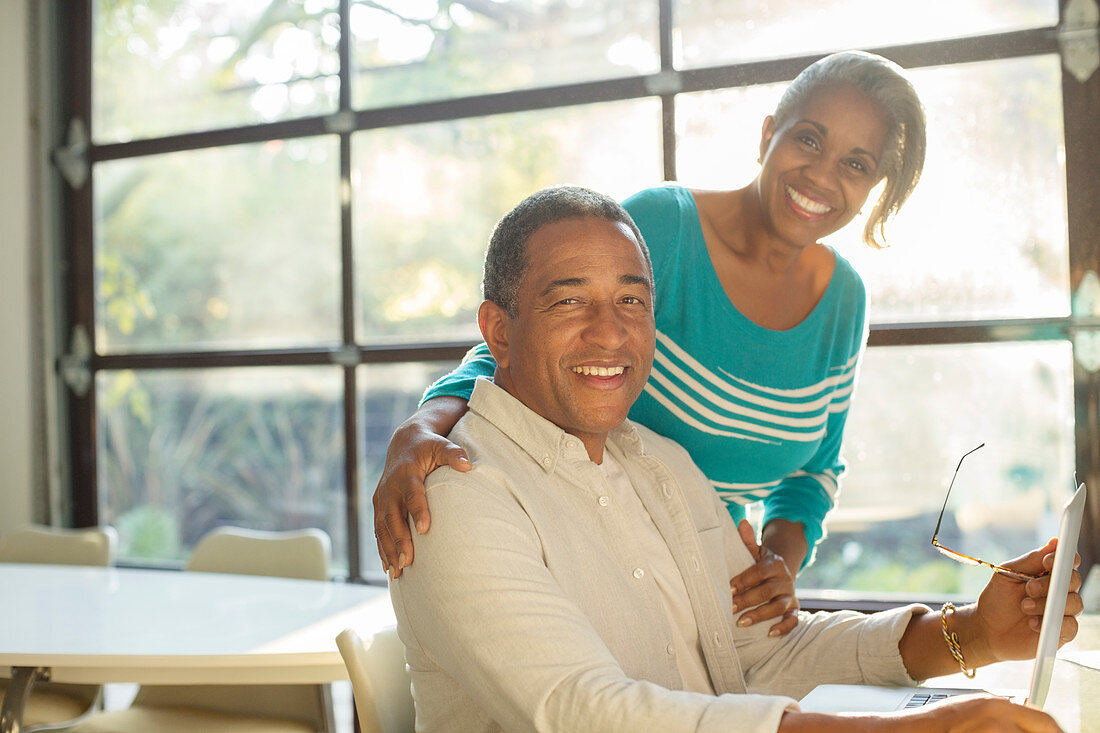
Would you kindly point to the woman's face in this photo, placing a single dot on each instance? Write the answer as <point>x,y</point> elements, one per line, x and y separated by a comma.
<point>819,166</point>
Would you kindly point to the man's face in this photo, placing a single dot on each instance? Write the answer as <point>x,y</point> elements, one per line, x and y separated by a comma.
<point>581,345</point>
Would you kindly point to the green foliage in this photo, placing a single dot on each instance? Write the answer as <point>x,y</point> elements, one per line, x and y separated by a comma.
<point>149,533</point>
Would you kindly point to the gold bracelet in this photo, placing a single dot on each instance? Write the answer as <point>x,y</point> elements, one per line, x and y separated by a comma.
<point>952,639</point>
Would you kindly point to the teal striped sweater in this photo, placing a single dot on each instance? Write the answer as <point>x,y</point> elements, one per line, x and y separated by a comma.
<point>761,412</point>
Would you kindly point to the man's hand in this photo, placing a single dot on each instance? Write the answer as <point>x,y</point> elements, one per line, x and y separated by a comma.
<point>1009,612</point>
<point>768,584</point>
<point>416,449</point>
<point>960,714</point>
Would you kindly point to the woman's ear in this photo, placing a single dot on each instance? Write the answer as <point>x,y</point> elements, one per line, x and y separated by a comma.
<point>767,132</point>
<point>493,322</point>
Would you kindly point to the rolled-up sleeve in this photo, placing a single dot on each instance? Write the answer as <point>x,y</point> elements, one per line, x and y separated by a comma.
<point>843,647</point>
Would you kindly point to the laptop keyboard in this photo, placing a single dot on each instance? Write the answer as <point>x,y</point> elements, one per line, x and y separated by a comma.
<point>923,698</point>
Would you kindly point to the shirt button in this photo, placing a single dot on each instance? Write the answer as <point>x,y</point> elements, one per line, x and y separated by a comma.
<point>666,490</point>
<point>639,573</point>
<point>547,460</point>
<point>669,650</point>
<point>604,501</point>
<point>717,639</point>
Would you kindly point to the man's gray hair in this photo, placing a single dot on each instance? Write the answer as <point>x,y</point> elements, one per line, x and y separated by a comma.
<point>506,259</point>
<point>885,82</point>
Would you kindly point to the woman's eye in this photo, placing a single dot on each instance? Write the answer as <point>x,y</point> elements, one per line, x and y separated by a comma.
<point>858,165</point>
<point>807,140</point>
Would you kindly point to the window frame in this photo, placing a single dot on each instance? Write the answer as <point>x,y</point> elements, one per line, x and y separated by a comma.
<point>72,30</point>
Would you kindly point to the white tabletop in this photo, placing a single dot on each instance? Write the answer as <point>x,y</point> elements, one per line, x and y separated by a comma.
<point>94,625</point>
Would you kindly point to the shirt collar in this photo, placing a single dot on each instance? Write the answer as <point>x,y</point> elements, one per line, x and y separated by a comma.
<point>541,439</point>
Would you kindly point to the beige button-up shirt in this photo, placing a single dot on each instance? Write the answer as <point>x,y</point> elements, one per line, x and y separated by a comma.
<point>530,607</point>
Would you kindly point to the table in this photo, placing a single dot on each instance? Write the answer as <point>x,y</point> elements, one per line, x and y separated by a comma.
<point>1074,699</point>
<point>94,625</point>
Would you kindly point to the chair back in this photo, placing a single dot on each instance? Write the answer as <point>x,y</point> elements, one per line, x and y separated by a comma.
<point>54,546</point>
<point>380,680</point>
<point>52,705</point>
<point>303,554</point>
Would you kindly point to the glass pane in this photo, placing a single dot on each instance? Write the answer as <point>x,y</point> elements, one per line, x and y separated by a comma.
<point>715,32</point>
<point>222,248</point>
<point>983,235</point>
<point>420,236</point>
<point>389,393</point>
<point>406,51</point>
<point>182,452</point>
<point>169,67</point>
<point>1006,500</point>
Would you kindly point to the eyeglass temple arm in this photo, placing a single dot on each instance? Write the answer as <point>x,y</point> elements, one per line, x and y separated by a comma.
<point>936,534</point>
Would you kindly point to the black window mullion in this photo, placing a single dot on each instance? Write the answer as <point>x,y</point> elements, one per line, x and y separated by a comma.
<point>1081,105</point>
<point>347,304</point>
<point>74,25</point>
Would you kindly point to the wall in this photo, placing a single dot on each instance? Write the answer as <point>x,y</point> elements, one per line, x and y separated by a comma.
<point>17,383</point>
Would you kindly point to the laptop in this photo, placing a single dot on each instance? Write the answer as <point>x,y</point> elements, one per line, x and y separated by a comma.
<point>876,698</point>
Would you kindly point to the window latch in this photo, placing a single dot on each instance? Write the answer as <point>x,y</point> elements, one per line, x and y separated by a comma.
<point>1079,38</point>
<point>75,366</point>
<point>72,158</point>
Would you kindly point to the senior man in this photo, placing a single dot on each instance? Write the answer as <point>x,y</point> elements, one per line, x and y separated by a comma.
<point>577,578</point>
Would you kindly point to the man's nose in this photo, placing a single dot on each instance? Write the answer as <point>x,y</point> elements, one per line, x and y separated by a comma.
<point>606,327</point>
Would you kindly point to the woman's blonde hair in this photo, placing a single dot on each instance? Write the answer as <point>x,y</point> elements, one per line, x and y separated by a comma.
<point>886,83</point>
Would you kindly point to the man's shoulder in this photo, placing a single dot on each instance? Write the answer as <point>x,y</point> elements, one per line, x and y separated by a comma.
<point>666,450</point>
<point>654,443</point>
<point>496,459</point>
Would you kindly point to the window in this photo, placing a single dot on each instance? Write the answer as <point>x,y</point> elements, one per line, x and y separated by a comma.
<point>275,232</point>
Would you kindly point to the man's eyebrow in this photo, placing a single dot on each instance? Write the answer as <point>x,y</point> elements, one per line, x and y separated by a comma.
<point>635,280</point>
<point>825,131</point>
<point>567,282</point>
<point>576,282</point>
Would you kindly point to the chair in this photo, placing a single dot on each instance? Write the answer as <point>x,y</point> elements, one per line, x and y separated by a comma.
<point>49,545</point>
<point>303,554</point>
<point>380,681</point>
<point>52,704</point>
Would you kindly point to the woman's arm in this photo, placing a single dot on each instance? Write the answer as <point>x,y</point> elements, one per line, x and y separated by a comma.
<point>416,449</point>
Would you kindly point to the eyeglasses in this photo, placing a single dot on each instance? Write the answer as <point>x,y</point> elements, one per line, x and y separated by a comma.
<point>960,557</point>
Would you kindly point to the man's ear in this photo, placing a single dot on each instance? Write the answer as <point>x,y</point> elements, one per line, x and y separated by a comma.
<point>493,322</point>
<point>767,132</point>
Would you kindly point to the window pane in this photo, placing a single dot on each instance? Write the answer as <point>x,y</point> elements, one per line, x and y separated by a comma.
<point>983,235</point>
<point>1006,500</point>
<point>714,32</point>
<point>405,52</point>
<point>164,68</point>
<point>222,248</point>
<point>182,452</point>
<point>420,236</point>
<point>389,393</point>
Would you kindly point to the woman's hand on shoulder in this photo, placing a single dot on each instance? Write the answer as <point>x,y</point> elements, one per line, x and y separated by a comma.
<point>416,449</point>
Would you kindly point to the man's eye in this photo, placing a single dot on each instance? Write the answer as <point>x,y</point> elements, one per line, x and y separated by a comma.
<point>633,300</point>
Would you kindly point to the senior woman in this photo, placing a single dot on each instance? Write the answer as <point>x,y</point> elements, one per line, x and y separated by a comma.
<point>760,326</point>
